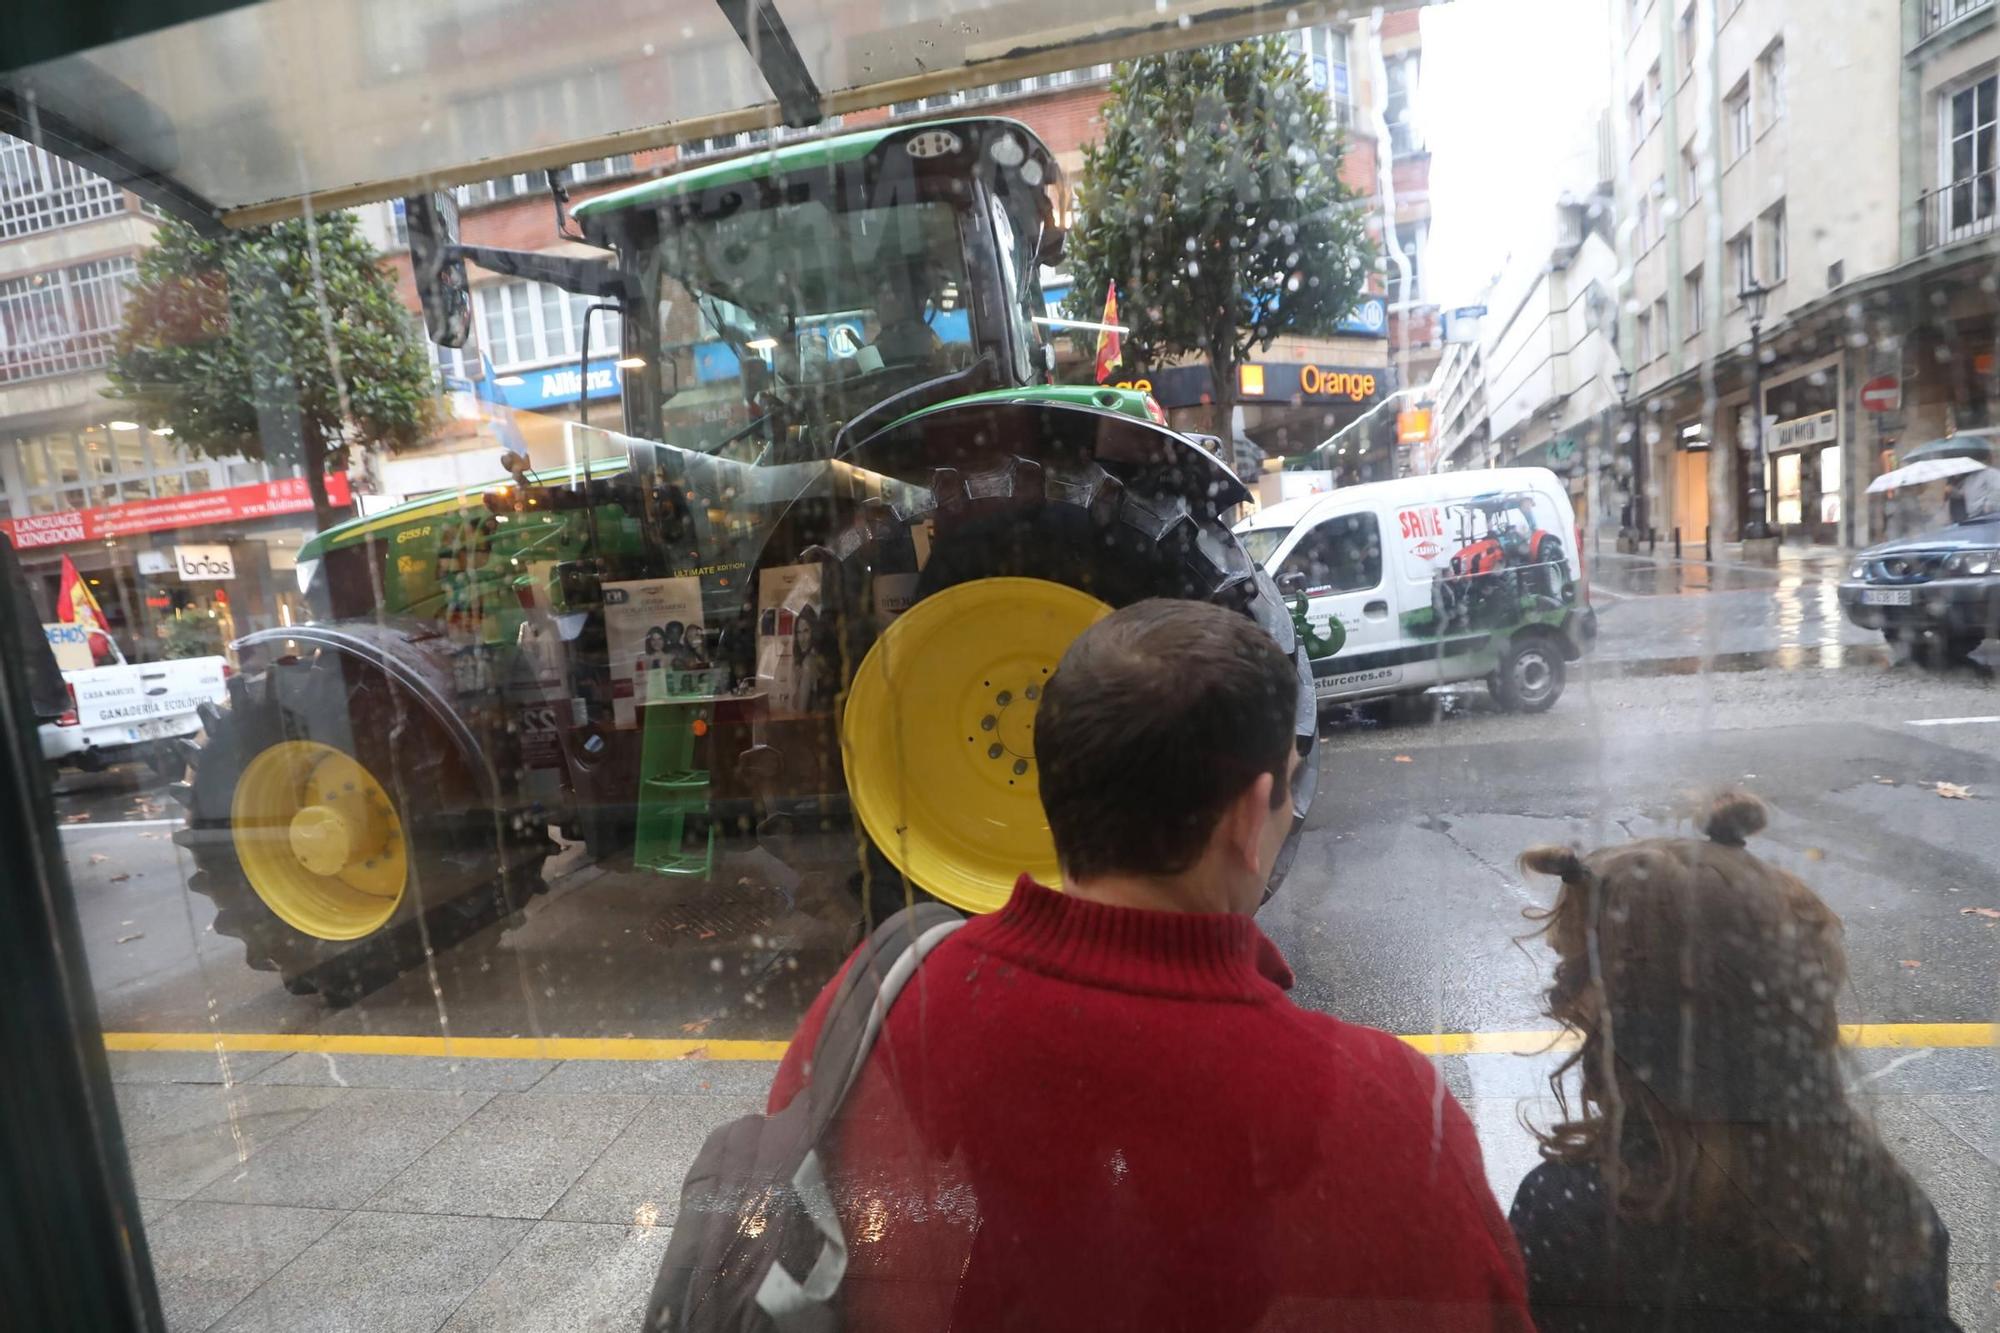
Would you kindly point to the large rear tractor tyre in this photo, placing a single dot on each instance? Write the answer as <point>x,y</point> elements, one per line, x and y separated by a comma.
<point>340,832</point>
<point>938,727</point>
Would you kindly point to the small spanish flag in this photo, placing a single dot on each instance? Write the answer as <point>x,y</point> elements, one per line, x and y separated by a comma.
<point>76,606</point>
<point>1110,352</point>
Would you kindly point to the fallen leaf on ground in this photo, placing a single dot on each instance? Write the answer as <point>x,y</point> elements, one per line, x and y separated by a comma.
<point>1980,911</point>
<point>1887,782</point>
<point>700,1025</point>
<point>1911,963</point>
<point>119,879</point>
<point>698,1053</point>
<point>1815,854</point>
<point>98,858</point>
<point>1952,791</point>
<point>75,819</point>
<point>127,939</point>
<point>1404,759</point>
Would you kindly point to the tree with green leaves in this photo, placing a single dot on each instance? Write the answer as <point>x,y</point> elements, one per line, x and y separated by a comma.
<point>1214,201</point>
<point>283,343</point>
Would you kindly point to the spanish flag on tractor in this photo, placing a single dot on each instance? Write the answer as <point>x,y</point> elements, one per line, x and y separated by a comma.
<point>76,606</point>
<point>1110,352</point>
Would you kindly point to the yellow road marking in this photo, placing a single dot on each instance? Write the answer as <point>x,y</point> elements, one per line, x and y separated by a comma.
<point>1899,1036</point>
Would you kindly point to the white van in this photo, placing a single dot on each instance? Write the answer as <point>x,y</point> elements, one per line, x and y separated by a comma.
<point>1426,581</point>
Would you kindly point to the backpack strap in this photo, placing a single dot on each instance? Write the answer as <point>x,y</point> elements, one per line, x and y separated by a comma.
<point>877,975</point>
<point>874,979</point>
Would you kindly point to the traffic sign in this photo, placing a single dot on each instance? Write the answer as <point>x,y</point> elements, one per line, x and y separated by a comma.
<point>1884,393</point>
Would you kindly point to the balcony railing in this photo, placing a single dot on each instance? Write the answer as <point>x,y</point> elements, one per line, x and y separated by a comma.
<point>1960,211</point>
<point>40,191</point>
<point>61,322</point>
<point>1937,15</point>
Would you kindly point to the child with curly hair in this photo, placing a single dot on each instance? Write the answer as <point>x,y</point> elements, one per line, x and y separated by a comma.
<point>1714,1174</point>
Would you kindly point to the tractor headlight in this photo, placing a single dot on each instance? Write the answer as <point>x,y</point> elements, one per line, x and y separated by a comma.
<point>1972,563</point>
<point>1858,570</point>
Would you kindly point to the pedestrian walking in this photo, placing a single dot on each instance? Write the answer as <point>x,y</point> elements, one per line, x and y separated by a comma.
<point>1098,1108</point>
<point>1714,1174</point>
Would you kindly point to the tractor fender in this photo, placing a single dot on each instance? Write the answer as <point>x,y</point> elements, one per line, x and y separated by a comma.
<point>980,435</point>
<point>414,655</point>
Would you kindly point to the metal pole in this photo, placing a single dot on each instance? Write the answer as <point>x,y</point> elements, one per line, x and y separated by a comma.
<point>1754,527</point>
<point>1642,521</point>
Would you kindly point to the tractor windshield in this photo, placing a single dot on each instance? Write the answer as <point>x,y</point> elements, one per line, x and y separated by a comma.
<point>781,320</point>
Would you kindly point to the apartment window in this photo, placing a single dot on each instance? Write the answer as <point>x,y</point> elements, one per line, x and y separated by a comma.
<point>98,466</point>
<point>1972,125</point>
<point>1655,92</point>
<point>1736,114</point>
<point>62,320</point>
<point>1774,244</point>
<point>1771,83</point>
<point>1661,345</point>
<point>1410,239</point>
<point>1636,119</point>
<point>1743,261</point>
<point>1642,227</point>
<point>1324,51</point>
<point>1685,44</point>
<point>1644,323</point>
<point>40,191</point>
<point>1404,136</point>
<point>1690,176</point>
<point>534,182</point>
<point>1693,303</point>
<point>1661,207</point>
<point>533,323</point>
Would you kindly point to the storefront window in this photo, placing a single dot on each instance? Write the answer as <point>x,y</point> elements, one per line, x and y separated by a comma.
<point>1506,795</point>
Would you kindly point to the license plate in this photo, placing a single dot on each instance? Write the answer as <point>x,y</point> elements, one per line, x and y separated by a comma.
<point>1885,597</point>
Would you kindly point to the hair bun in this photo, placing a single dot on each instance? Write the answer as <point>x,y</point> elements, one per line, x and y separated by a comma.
<point>1732,817</point>
<point>1562,862</point>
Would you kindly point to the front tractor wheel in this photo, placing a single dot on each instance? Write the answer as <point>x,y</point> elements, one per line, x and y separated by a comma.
<point>938,730</point>
<point>340,833</point>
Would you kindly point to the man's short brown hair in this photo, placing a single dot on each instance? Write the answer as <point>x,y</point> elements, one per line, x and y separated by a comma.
<point>1156,719</point>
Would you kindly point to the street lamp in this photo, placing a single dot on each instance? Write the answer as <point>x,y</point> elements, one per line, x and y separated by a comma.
<point>1754,295</point>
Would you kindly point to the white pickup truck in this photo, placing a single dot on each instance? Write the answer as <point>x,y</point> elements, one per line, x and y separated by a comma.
<point>132,711</point>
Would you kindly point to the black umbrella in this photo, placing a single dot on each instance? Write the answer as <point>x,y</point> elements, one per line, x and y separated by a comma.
<point>1966,444</point>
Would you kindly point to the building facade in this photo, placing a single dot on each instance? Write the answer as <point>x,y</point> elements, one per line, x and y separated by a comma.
<point>78,478</point>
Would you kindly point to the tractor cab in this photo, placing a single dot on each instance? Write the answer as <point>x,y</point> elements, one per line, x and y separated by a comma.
<point>790,302</point>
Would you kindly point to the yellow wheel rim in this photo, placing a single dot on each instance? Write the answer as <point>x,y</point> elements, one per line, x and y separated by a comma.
<point>939,735</point>
<point>319,840</point>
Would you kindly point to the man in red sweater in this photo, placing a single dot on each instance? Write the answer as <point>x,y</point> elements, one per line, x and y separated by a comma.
<point>1098,1109</point>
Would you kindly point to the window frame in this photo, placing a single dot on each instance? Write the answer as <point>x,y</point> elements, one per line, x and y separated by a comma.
<point>1771,103</point>
<point>1739,120</point>
<point>1776,257</point>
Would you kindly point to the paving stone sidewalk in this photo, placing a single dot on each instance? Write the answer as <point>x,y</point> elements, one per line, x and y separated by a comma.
<point>393,1194</point>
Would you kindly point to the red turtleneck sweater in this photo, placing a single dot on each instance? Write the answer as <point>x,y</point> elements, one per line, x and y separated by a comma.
<point>1091,1117</point>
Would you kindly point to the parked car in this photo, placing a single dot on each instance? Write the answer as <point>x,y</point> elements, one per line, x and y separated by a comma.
<point>133,711</point>
<point>1938,591</point>
<point>1434,580</point>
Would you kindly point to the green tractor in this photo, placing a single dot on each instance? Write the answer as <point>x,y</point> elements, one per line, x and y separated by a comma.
<point>791,622</point>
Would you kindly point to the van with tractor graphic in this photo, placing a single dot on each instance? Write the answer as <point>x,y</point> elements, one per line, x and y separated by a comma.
<point>1399,586</point>
<point>793,629</point>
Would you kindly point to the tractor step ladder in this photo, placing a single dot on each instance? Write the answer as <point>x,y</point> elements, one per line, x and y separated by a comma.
<point>671,788</point>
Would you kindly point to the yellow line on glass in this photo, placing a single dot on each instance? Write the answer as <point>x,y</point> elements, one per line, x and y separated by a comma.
<point>1898,1036</point>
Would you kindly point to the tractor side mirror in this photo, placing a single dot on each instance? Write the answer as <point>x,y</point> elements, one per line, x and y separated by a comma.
<point>438,267</point>
<point>1049,247</point>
